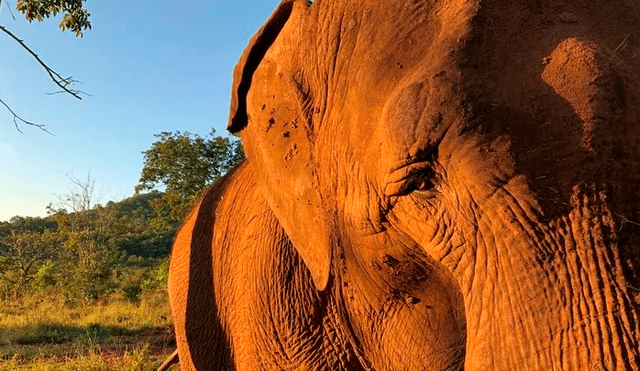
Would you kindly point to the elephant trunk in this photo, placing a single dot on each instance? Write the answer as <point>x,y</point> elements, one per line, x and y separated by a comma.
<point>555,295</point>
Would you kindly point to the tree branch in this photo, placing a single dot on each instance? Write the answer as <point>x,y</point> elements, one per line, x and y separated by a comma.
<point>16,118</point>
<point>9,8</point>
<point>62,82</point>
<point>64,92</point>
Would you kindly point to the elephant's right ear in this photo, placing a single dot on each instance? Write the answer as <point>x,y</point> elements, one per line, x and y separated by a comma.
<point>249,62</point>
<point>268,111</point>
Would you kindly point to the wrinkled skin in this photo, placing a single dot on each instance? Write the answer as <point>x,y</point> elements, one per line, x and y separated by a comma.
<point>429,185</point>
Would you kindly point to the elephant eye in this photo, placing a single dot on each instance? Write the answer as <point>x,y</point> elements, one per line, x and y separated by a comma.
<point>417,178</point>
<point>421,183</point>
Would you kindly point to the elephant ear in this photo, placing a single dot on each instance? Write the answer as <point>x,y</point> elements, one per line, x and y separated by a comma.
<point>268,108</point>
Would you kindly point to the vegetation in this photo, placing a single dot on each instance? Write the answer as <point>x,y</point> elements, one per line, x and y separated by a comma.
<point>75,18</point>
<point>185,164</point>
<point>41,332</point>
<point>87,254</point>
<point>84,284</point>
<point>85,290</point>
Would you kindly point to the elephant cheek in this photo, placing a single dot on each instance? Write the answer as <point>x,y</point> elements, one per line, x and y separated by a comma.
<point>410,301</point>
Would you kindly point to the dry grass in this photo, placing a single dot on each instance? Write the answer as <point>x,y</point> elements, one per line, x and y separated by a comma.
<point>41,333</point>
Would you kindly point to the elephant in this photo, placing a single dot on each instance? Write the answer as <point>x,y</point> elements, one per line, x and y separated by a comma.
<point>428,185</point>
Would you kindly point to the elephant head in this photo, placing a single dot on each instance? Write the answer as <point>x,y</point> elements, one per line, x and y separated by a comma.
<point>464,175</point>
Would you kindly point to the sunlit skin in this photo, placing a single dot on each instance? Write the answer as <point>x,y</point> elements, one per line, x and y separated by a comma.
<point>429,185</point>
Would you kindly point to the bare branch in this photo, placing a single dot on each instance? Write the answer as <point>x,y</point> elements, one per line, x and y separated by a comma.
<point>9,8</point>
<point>82,197</point>
<point>64,92</point>
<point>17,118</point>
<point>63,82</point>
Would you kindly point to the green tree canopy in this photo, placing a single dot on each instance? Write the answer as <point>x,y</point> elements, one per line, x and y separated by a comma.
<point>22,254</point>
<point>31,224</point>
<point>85,250</point>
<point>183,165</point>
<point>75,16</point>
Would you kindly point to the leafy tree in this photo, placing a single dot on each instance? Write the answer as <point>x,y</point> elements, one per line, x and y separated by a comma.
<point>75,15</point>
<point>22,256</point>
<point>88,256</point>
<point>134,230</point>
<point>136,206</point>
<point>75,18</point>
<point>26,244</point>
<point>28,223</point>
<point>89,266</point>
<point>151,243</point>
<point>184,165</point>
<point>88,252</point>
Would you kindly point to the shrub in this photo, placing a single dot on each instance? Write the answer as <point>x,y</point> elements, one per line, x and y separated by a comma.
<point>159,276</point>
<point>131,287</point>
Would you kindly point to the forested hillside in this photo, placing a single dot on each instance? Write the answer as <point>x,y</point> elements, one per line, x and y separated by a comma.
<point>89,251</point>
<point>87,254</point>
<point>84,288</point>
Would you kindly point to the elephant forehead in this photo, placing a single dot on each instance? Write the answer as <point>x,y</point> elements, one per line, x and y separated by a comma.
<point>366,50</point>
<point>376,63</point>
<point>404,69</point>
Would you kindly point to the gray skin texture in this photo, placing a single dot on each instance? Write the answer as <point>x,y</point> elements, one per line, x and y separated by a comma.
<point>429,185</point>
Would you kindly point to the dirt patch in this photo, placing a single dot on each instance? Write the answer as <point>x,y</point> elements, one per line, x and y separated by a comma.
<point>156,344</point>
<point>160,341</point>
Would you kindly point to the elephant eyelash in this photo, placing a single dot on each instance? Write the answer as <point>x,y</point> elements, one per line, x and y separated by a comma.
<point>419,178</point>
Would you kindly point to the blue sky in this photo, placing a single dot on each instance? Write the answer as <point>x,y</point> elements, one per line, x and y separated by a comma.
<point>150,66</point>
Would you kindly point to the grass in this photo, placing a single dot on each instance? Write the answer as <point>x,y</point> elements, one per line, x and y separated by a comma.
<point>42,333</point>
